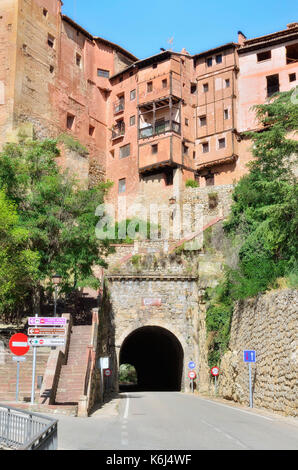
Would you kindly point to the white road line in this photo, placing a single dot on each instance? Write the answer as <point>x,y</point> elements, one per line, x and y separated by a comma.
<point>239,443</point>
<point>237,409</point>
<point>126,407</point>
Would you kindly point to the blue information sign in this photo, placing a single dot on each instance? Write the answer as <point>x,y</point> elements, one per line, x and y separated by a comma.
<point>191,365</point>
<point>249,356</point>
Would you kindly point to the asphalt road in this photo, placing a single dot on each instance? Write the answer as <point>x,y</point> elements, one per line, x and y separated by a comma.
<point>176,421</point>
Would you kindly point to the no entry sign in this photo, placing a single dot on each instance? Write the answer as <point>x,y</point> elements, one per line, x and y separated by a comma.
<point>18,344</point>
<point>107,372</point>
<point>215,371</point>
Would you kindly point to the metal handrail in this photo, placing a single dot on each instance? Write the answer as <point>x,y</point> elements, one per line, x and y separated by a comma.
<point>160,128</point>
<point>24,430</point>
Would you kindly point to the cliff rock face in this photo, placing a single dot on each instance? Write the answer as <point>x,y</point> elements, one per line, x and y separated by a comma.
<point>269,325</point>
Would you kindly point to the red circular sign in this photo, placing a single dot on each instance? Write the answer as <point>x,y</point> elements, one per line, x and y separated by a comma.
<point>107,372</point>
<point>215,371</point>
<point>18,344</point>
<point>192,374</point>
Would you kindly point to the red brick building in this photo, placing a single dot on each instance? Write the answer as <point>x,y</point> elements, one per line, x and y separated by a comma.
<point>149,125</point>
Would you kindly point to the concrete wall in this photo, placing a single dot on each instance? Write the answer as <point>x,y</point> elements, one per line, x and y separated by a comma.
<point>268,324</point>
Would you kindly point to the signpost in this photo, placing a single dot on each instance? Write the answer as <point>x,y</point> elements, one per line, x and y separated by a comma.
<point>18,344</point>
<point>249,356</point>
<point>192,375</point>
<point>47,321</point>
<point>47,331</point>
<point>215,373</point>
<point>46,342</point>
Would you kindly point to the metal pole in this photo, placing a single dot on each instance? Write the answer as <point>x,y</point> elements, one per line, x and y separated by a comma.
<point>192,385</point>
<point>18,378</point>
<point>215,385</point>
<point>250,387</point>
<point>33,370</point>
<point>55,300</point>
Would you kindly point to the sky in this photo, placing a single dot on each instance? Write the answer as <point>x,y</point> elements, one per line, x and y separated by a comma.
<point>143,27</point>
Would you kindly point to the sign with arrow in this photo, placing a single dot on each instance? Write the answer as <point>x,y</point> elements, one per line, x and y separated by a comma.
<point>46,331</point>
<point>46,341</point>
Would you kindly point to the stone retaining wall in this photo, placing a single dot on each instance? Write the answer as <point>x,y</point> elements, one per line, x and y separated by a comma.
<point>268,324</point>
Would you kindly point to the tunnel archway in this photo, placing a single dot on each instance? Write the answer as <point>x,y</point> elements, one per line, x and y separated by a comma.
<point>157,356</point>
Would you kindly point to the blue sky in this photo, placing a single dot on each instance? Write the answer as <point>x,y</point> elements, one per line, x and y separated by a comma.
<point>142,27</point>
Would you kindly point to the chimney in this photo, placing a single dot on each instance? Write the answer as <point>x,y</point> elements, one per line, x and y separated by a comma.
<point>241,38</point>
<point>292,25</point>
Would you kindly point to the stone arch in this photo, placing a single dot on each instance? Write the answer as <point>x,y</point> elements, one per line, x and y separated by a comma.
<point>157,354</point>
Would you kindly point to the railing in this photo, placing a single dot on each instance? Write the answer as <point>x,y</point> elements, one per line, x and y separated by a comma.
<point>160,128</point>
<point>118,130</point>
<point>23,430</point>
<point>118,106</point>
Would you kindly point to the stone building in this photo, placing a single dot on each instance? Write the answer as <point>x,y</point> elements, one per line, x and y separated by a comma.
<point>148,125</point>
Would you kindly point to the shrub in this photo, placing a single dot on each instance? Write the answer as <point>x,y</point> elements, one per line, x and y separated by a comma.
<point>191,184</point>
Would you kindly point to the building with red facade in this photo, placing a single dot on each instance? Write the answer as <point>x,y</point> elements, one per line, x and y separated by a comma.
<point>149,125</point>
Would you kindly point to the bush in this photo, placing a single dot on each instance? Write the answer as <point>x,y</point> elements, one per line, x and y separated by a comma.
<point>191,184</point>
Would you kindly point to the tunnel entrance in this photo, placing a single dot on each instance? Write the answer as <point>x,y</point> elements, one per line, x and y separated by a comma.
<point>157,356</point>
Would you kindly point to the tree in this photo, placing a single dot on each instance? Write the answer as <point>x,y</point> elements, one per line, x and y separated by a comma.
<point>18,264</point>
<point>58,215</point>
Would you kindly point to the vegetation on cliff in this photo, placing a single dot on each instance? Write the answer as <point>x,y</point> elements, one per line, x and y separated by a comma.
<point>51,224</point>
<point>263,220</point>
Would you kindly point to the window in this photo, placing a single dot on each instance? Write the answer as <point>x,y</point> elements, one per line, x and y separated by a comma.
<point>45,12</point>
<point>218,59</point>
<point>221,143</point>
<point>149,87</point>
<point>193,88</point>
<point>122,185</point>
<point>272,84</point>
<point>154,66</point>
<point>227,82</point>
<point>78,60</point>
<point>124,151</point>
<point>203,121</point>
<point>292,77</point>
<point>209,61</point>
<point>164,83</point>
<point>205,87</point>
<point>205,147</point>
<point>51,41</point>
<point>209,179</point>
<point>70,121</point>
<point>154,148</point>
<point>121,78</point>
<point>292,53</point>
<point>91,130</point>
<point>263,56</point>
<point>185,149</point>
<point>169,177</point>
<point>103,73</point>
<point>132,120</point>
<point>112,153</point>
<point>226,114</point>
<point>132,95</point>
<point>51,68</point>
<point>186,121</point>
<point>194,155</point>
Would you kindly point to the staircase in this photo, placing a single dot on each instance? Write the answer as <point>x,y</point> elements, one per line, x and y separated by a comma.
<point>8,375</point>
<point>72,376</point>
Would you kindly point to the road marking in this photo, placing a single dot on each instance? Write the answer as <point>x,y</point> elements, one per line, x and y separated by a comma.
<point>239,443</point>
<point>236,409</point>
<point>126,407</point>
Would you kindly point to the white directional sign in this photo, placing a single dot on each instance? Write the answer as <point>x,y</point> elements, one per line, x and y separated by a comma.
<point>46,341</point>
<point>47,321</point>
<point>46,331</point>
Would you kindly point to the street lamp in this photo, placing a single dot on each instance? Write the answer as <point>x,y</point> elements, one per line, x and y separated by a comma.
<point>56,280</point>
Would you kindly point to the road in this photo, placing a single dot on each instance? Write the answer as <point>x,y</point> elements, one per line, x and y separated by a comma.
<point>176,421</point>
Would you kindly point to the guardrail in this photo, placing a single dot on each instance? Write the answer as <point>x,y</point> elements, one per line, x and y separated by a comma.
<point>24,430</point>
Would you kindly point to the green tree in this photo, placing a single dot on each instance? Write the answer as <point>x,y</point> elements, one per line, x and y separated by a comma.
<point>56,212</point>
<point>18,263</point>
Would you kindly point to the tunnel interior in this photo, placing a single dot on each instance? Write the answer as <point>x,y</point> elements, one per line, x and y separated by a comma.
<point>157,356</point>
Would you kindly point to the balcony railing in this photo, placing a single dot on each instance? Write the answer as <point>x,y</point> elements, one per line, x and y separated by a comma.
<point>160,128</point>
<point>118,130</point>
<point>118,106</point>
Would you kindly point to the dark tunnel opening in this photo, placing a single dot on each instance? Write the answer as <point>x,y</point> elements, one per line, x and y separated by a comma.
<point>157,356</point>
